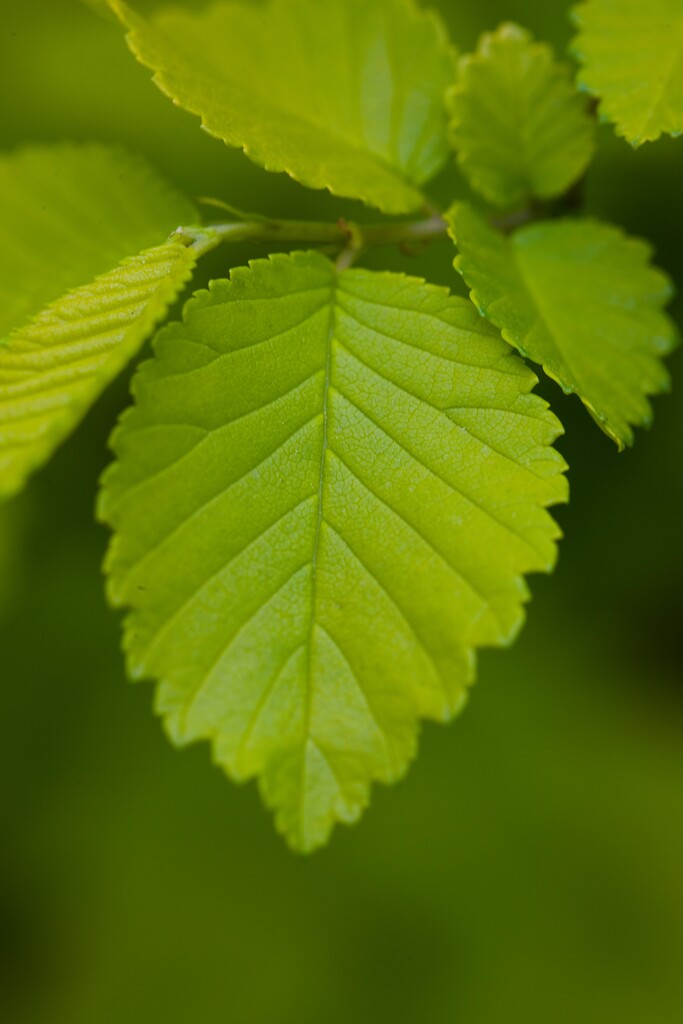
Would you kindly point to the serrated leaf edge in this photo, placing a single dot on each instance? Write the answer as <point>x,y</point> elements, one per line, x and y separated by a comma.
<point>561,70</point>
<point>130,20</point>
<point>646,421</point>
<point>212,736</point>
<point>604,112</point>
<point>135,335</point>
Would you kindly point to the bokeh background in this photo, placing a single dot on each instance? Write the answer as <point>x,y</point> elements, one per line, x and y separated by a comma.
<point>530,867</point>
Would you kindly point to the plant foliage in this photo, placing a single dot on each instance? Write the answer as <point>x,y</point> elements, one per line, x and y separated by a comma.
<point>632,56</point>
<point>345,95</point>
<point>69,213</point>
<point>332,482</point>
<point>581,299</point>
<point>520,129</point>
<point>92,206</point>
<point>324,500</point>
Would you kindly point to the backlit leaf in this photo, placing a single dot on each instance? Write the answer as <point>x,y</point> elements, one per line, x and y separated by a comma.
<point>69,214</point>
<point>343,94</point>
<point>632,55</point>
<point>324,501</point>
<point>53,368</point>
<point>519,127</point>
<point>580,298</point>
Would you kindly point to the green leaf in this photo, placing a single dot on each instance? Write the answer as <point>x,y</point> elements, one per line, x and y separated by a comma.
<point>70,214</point>
<point>580,298</point>
<point>324,500</point>
<point>345,95</point>
<point>519,126</point>
<point>632,55</point>
<point>53,369</point>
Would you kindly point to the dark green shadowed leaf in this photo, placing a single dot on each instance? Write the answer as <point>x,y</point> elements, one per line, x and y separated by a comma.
<point>343,94</point>
<point>580,298</point>
<point>325,499</point>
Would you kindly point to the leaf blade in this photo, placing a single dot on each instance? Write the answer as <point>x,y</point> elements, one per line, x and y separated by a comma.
<point>581,299</point>
<point>632,56</point>
<point>346,97</point>
<point>318,583</point>
<point>71,212</point>
<point>519,127</point>
<point>55,367</point>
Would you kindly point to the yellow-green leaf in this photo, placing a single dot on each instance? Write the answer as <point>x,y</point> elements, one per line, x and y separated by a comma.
<point>342,94</point>
<point>69,216</point>
<point>71,212</point>
<point>325,499</point>
<point>580,298</point>
<point>53,369</point>
<point>519,126</point>
<point>632,56</point>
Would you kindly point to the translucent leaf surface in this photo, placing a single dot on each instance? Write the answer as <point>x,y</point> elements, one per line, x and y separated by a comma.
<point>632,55</point>
<point>69,213</point>
<point>580,298</point>
<point>519,126</point>
<point>345,95</point>
<point>53,368</point>
<point>325,499</point>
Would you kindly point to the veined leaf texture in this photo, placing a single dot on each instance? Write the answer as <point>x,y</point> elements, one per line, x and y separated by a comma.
<point>582,299</point>
<point>519,127</point>
<point>325,499</point>
<point>73,220</point>
<point>632,57</point>
<point>345,95</point>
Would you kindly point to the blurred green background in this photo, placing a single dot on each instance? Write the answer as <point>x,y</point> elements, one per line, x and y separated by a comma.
<point>529,869</point>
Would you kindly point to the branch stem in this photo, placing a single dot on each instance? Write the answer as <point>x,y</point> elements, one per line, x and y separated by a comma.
<point>348,237</point>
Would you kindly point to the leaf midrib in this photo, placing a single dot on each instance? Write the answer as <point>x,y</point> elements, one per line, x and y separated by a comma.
<point>308,709</point>
<point>544,318</point>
